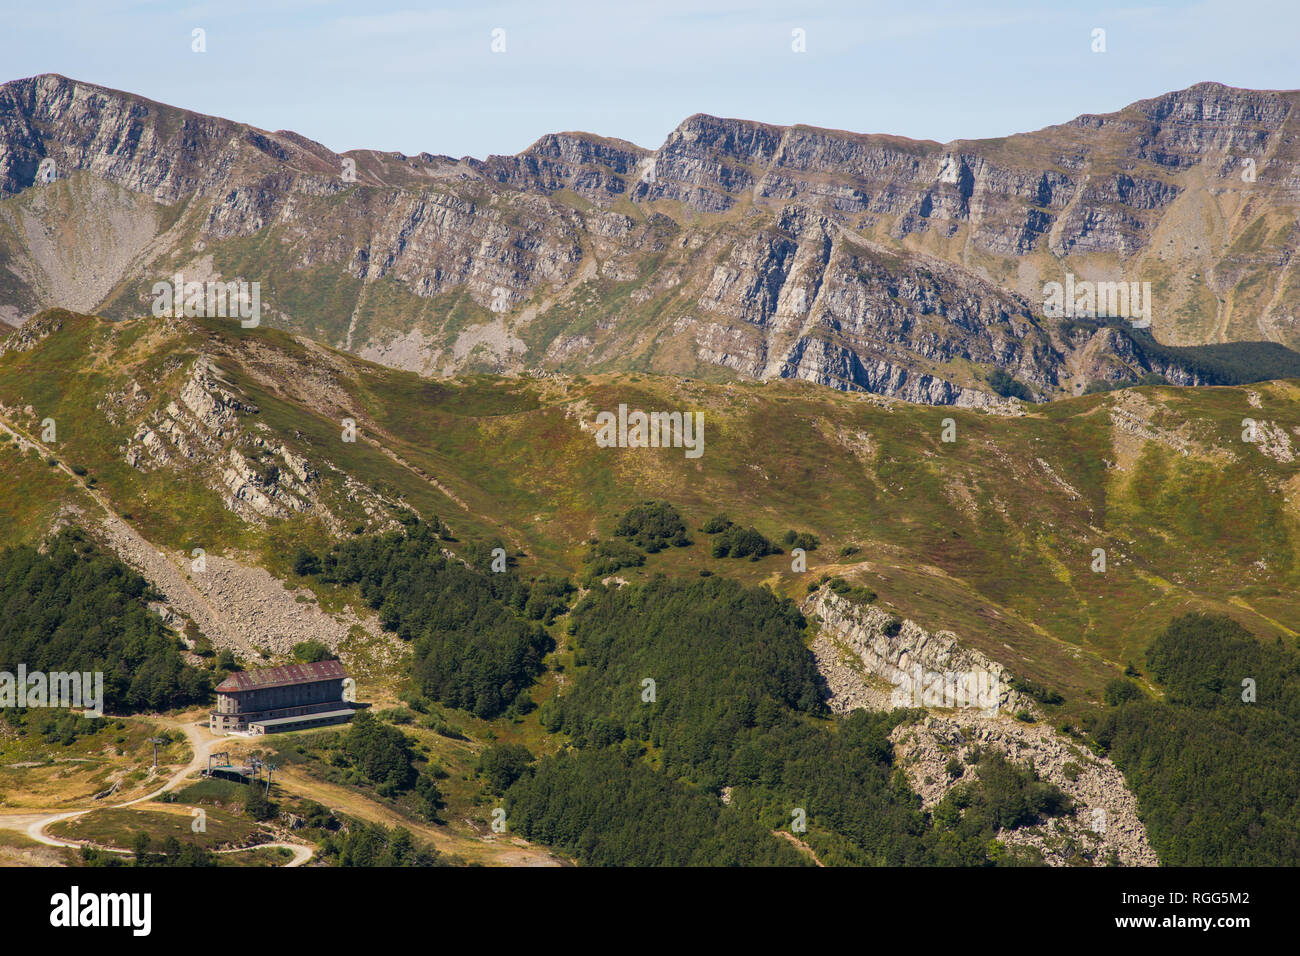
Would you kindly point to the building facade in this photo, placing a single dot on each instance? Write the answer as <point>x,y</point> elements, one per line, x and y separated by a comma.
<point>273,699</point>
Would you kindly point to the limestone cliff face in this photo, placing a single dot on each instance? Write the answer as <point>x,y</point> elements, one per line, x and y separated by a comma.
<point>924,669</point>
<point>595,168</point>
<point>1013,192</point>
<point>811,300</point>
<point>862,262</point>
<point>870,659</point>
<point>209,432</point>
<point>203,431</point>
<point>150,148</point>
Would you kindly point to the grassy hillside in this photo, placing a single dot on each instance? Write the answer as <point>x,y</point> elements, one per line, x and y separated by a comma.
<point>991,535</point>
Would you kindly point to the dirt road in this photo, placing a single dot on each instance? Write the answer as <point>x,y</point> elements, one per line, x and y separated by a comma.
<point>201,742</point>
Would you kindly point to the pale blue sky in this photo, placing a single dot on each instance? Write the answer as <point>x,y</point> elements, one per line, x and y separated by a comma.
<point>398,74</point>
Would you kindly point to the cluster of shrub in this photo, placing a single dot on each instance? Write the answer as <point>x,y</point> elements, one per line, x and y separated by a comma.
<point>651,526</point>
<point>1148,378</point>
<point>63,727</point>
<point>1006,797</point>
<point>373,844</point>
<point>1039,692</point>
<point>732,541</point>
<point>375,753</point>
<point>171,853</point>
<point>857,593</point>
<point>1006,386</point>
<point>645,528</point>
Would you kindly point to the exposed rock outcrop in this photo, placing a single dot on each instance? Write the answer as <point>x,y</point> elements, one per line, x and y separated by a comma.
<point>1104,826</point>
<point>924,669</point>
<point>205,427</point>
<point>210,430</point>
<point>873,263</point>
<point>871,659</point>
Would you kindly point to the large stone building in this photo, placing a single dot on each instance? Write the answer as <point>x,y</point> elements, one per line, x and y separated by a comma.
<point>273,699</point>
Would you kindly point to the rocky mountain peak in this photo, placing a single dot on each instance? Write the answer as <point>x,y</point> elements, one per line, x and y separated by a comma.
<point>859,261</point>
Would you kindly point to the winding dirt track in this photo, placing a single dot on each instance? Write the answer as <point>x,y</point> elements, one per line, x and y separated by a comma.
<point>35,824</point>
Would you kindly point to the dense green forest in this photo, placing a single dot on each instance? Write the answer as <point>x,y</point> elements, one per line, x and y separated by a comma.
<point>724,660</point>
<point>1216,774</point>
<point>477,646</point>
<point>75,608</point>
<point>611,809</point>
<point>687,690</point>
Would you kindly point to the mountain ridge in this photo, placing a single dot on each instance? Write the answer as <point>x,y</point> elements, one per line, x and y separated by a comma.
<point>736,248</point>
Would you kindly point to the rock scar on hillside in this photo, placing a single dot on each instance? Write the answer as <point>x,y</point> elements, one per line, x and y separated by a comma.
<point>1105,818</point>
<point>235,606</point>
<point>862,667</point>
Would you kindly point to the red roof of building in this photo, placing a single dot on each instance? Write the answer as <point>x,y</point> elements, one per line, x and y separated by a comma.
<point>281,676</point>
